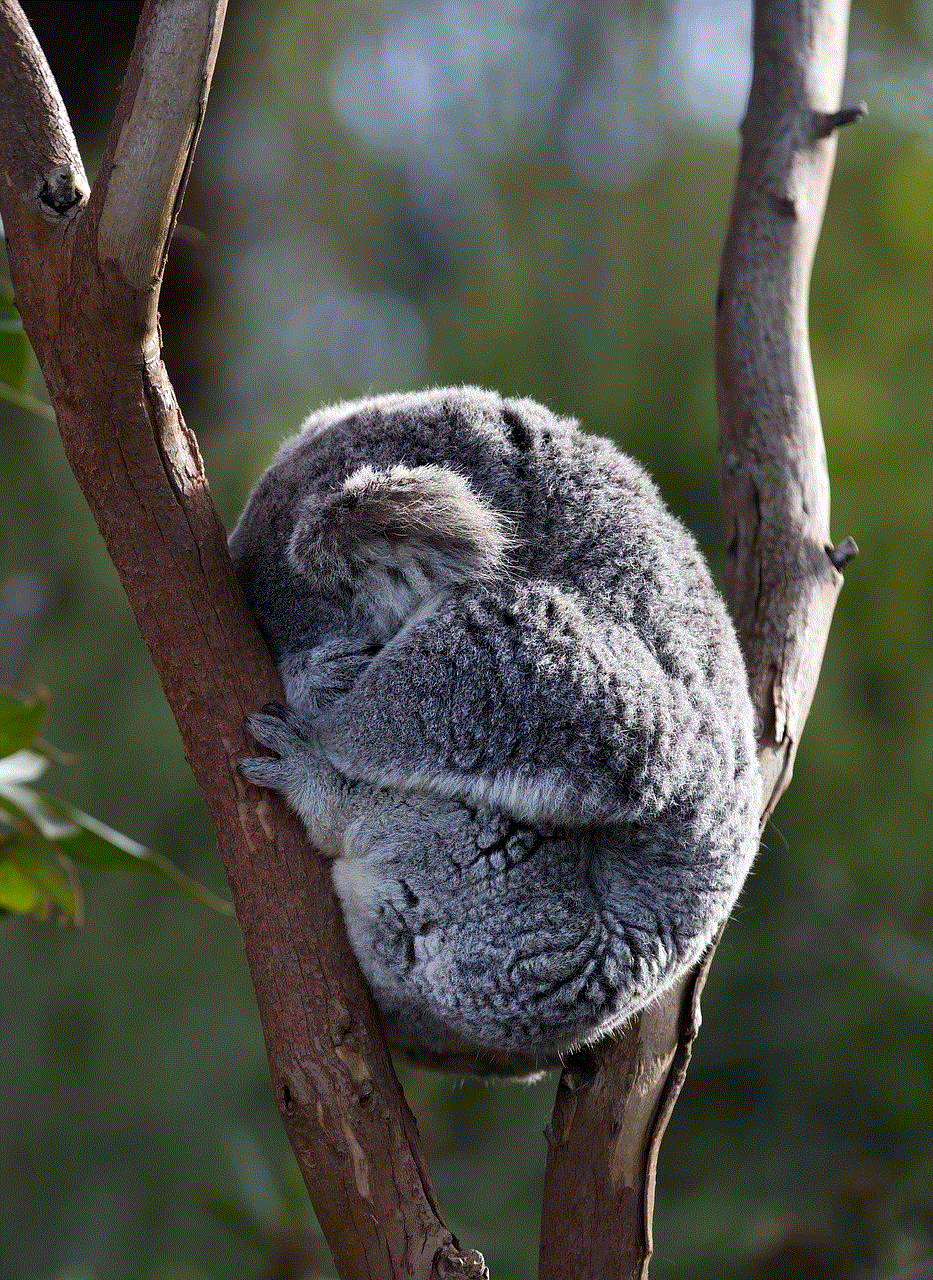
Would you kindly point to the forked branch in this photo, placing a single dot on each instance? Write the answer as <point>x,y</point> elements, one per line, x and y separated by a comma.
<point>783,578</point>
<point>87,277</point>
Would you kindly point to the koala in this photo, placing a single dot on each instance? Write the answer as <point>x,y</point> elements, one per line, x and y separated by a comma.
<point>518,719</point>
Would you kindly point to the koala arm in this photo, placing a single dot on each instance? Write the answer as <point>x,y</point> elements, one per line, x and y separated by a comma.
<point>316,678</point>
<point>516,696</point>
<point>578,697</point>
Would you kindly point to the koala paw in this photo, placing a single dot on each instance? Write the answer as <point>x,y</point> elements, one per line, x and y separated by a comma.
<point>282,732</point>
<point>300,773</point>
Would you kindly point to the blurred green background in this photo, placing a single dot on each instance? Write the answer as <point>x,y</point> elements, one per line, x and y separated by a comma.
<point>531,196</point>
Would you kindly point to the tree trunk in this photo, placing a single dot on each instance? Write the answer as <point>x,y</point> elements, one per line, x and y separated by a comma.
<point>613,1103</point>
<point>87,269</point>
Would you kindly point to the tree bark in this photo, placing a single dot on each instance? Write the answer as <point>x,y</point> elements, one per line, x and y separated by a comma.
<point>613,1103</point>
<point>87,269</point>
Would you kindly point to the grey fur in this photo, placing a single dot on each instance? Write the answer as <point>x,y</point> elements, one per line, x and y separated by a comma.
<point>518,719</point>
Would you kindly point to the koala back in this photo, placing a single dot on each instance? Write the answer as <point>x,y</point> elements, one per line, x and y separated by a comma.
<point>555,646</point>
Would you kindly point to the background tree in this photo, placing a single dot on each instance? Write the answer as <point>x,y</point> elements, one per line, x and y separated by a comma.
<point>523,361</point>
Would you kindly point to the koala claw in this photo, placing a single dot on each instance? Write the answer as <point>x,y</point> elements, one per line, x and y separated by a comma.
<point>275,709</point>
<point>298,771</point>
<point>261,771</point>
<point>278,729</point>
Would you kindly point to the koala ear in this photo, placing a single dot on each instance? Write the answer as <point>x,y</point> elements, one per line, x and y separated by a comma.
<point>394,537</point>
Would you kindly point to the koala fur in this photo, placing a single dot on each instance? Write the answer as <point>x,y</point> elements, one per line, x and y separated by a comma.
<point>517,720</point>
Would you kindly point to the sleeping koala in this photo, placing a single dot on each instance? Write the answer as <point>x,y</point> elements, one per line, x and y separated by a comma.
<point>518,719</point>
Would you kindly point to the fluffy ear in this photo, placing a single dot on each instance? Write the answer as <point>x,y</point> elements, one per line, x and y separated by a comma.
<point>395,537</point>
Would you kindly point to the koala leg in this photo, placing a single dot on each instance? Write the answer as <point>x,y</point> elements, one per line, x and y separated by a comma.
<point>491,945</point>
<point>480,937</point>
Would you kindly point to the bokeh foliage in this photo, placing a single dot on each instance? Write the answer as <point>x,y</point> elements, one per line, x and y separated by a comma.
<point>526,247</point>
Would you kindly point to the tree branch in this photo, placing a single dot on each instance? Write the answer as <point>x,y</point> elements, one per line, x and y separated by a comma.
<point>154,133</point>
<point>783,578</point>
<point>36,141</point>
<point>87,278</point>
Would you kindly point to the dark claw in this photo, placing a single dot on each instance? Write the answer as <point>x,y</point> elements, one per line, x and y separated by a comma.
<point>841,555</point>
<point>275,709</point>
<point>279,731</point>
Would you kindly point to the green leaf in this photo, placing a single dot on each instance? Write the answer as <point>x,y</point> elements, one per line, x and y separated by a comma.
<point>19,893</point>
<point>26,400</point>
<point>33,879</point>
<point>14,364</point>
<point>20,720</point>
<point>81,838</point>
<point>51,876</point>
<point>95,845</point>
<point>17,363</point>
<point>20,768</point>
<point>30,812</point>
<point>57,828</point>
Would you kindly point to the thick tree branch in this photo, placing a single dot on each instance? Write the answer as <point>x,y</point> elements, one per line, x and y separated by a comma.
<point>87,279</point>
<point>153,134</point>
<point>36,141</point>
<point>781,582</point>
<point>613,1104</point>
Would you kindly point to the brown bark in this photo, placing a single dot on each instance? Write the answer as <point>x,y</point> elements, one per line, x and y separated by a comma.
<point>613,1103</point>
<point>86,274</point>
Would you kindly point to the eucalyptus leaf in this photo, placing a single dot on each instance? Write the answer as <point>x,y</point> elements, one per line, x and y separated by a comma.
<point>56,832</point>
<point>29,811</point>
<point>50,873</point>
<point>94,844</point>
<point>19,892</point>
<point>15,365</point>
<point>15,352</point>
<point>26,400</point>
<point>22,767</point>
<point>35,877</point>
